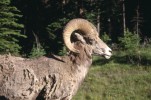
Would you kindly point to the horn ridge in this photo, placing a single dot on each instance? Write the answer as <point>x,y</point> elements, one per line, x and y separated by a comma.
<point>77,24</point>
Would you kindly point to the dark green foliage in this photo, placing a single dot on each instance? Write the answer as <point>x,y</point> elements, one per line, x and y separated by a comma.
<point>53,27</point>
<point>105,38</point>
<point>37,52</point>
<point>130,43</point>
<point>9,28</point>
<point>130,40</point>
<point>54,30</point>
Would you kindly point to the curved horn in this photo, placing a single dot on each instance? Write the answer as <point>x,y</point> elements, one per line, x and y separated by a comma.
<point>77,24</point>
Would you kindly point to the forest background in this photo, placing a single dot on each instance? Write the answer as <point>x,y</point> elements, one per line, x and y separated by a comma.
<point>27,25</point>
<point>33,28</point>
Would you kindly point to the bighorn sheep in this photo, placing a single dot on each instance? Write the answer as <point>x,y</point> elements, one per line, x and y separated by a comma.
<point>53,78</point>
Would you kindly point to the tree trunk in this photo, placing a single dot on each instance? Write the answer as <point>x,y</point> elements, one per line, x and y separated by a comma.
<point>80,8</point>
<point>98,22</point>
<point>36,40</point>
<point>124,22</point>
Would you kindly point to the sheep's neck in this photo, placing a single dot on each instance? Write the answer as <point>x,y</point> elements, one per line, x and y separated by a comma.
<point>81,65</point>
<point>82,69</point>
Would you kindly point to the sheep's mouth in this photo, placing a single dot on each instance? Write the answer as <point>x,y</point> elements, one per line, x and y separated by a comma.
<point>107,56</point>
<point>104,55</point>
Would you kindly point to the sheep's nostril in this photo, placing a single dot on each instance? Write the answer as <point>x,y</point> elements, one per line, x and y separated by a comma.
<point>110,51</point>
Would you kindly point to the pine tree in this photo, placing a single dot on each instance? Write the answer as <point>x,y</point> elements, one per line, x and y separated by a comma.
<point>9,28</point>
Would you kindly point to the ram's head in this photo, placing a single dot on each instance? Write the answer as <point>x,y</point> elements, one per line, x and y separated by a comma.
<point>86,32</point>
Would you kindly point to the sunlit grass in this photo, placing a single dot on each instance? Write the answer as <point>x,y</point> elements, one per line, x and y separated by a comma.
<point>113,81</point>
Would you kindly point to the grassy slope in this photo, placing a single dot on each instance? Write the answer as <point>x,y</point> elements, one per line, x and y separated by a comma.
<point>114,81</point>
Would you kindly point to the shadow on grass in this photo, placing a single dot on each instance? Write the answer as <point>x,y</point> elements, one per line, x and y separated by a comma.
<point>125,59</point>
<point>101,61</point>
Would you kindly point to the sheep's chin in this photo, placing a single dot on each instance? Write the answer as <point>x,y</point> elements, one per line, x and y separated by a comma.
<point>107,57</point>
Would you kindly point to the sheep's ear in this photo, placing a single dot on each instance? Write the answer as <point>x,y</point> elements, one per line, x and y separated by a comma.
<point>80,38</point>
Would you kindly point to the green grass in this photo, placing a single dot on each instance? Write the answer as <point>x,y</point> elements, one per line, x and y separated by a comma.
<point>115,81</point>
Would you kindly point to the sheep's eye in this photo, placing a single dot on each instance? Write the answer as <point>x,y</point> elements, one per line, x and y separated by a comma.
<point>91,41</point>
